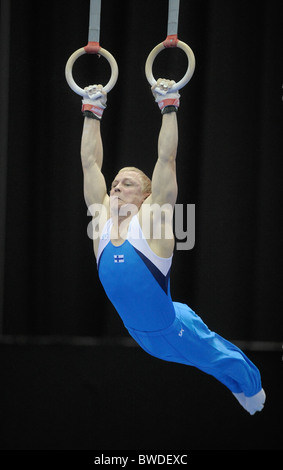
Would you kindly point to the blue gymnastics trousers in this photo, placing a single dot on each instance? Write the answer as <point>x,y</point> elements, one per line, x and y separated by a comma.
<point>189,341</point>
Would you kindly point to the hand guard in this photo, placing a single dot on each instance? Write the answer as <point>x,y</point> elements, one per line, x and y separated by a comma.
<point>94,105</point>
<point>166,101</point>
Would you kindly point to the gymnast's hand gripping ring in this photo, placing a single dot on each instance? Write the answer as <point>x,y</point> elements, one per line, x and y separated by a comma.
<point>85,50</point>
<point>163,45</point>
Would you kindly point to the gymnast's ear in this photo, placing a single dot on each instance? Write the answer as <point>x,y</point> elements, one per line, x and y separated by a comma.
<point>146,195</point>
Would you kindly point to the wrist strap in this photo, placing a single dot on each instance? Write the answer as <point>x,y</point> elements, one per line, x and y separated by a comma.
<point>169,109</point>
<point>168,102</point>
<point>90,115</point>
<point>96,111</point>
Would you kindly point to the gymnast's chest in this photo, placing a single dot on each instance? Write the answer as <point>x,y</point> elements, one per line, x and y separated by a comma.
<point>120,261</point>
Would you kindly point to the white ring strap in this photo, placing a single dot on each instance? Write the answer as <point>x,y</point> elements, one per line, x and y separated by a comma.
<point>173,17</point>
<point>94,21</point>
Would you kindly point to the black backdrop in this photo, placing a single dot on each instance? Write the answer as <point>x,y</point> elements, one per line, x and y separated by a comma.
<point>229,160</point>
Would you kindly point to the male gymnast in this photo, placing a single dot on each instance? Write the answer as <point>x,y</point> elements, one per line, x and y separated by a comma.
<point>134,269</point>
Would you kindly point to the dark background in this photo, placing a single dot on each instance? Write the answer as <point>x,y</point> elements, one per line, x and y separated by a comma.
<point>229,165</point>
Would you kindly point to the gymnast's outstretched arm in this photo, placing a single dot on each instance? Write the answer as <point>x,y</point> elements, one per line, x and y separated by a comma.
<point>164,183</point>
<point>95,191</point>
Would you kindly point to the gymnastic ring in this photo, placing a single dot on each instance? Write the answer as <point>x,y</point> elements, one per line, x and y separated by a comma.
<point>69,68</point>
<point>190,70</point>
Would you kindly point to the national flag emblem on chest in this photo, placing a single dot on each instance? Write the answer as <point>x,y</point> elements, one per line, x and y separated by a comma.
<point>119,259</point>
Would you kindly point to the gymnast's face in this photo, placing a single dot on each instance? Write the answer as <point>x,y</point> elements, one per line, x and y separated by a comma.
<point>126,189</point>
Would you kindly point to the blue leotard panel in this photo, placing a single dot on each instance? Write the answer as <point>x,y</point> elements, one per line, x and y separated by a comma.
<point>136,281</point>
